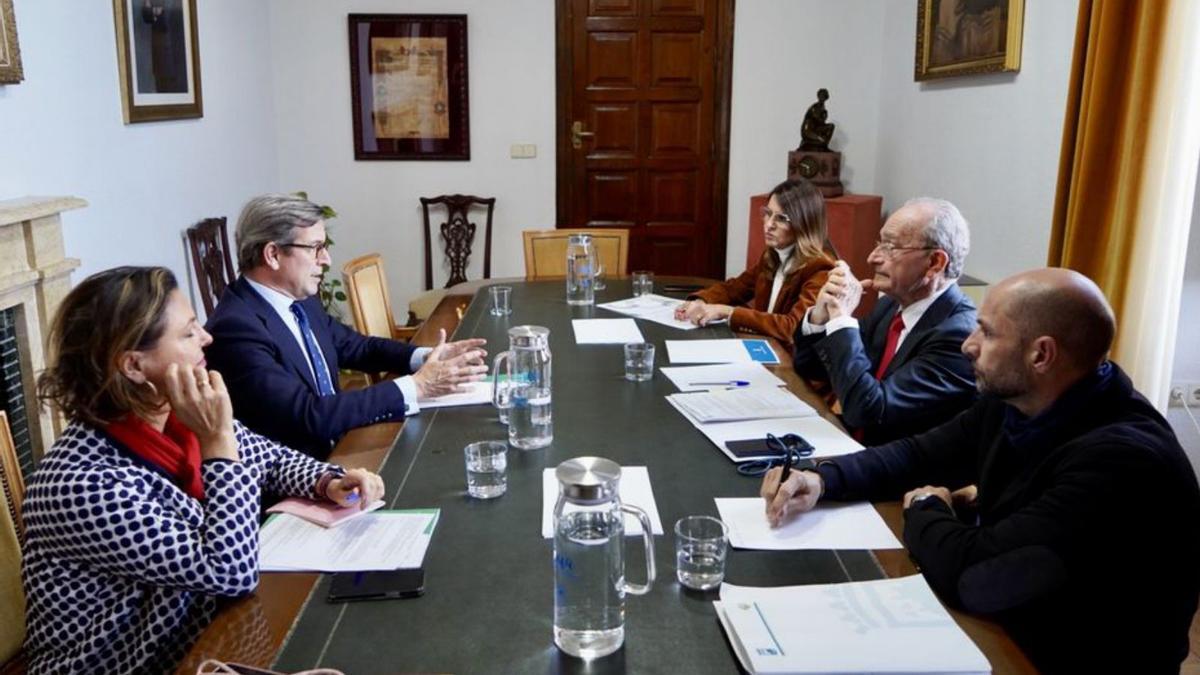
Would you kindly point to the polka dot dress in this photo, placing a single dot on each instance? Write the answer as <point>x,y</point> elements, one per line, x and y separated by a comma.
<point>122,568</point>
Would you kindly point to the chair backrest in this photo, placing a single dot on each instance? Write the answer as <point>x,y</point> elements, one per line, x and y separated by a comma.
<point>367,289</point>
<point>12,597</point>
<point>457,235</point>
<point>546,251</point>
<point>210,259</point>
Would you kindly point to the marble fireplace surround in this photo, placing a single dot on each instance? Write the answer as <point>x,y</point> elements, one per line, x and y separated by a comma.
<point>35,275</point>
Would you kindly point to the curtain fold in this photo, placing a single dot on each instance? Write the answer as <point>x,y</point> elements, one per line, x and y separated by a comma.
<point>1127,171</point>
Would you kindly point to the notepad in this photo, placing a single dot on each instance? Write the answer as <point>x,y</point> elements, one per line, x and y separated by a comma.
<point>882,626</point>
<point>325,514</point>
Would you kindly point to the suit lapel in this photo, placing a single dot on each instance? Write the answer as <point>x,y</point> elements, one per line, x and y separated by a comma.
<point>931,319</point>
<point>291,351</point>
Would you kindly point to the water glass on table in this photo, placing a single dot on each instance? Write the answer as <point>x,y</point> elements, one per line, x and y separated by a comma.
<point>639,361</point>
<point>487,462</point>
<point>643,283</point>
<point>701,543</point>
<point>500,300</point>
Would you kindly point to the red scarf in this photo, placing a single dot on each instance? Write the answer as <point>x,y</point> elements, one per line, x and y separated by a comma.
<point>175,449</point>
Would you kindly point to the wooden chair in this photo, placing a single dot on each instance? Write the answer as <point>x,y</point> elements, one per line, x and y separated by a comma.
<point>457,237</point>
<point>546,251</point>
<point>366,288</point>
<point>12,597</point>
<point>211,260</point>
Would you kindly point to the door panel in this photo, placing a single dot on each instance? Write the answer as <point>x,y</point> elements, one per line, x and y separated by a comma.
<point>649,81</point>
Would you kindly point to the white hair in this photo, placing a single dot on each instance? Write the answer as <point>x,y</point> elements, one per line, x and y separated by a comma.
<point>947,230</point>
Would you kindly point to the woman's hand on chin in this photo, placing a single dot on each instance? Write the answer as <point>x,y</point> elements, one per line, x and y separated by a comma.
<point>199,399</point>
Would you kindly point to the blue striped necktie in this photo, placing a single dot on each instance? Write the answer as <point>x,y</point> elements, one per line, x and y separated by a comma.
<point>320,370</point>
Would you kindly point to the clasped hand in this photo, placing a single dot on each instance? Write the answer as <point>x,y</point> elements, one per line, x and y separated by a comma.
<point>451,365</point>
<point>840,295</point>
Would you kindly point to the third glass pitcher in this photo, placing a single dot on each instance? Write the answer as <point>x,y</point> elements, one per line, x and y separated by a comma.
<point>581,270</point>
<point>526,367</point>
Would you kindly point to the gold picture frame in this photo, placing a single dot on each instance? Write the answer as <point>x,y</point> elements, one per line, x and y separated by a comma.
<point>10,52</point>
<point>968,37</point>
<point>158,57</point>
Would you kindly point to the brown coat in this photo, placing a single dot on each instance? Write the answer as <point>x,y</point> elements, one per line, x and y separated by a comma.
<point>750,291</point>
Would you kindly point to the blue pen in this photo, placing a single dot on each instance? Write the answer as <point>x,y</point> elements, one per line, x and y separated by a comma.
<point>727,383</point>
<point>352,497</point>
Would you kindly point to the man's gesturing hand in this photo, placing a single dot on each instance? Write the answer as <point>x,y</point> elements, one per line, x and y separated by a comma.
<point>449,366</point>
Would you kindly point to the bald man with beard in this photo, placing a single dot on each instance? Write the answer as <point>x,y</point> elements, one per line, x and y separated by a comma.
<point>1086,546</point>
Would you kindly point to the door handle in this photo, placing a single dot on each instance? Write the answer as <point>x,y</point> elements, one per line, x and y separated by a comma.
<point>577,134</point>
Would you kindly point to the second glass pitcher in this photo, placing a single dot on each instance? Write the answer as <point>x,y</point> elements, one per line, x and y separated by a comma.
<point>581,270</point>
<point>526,369</point>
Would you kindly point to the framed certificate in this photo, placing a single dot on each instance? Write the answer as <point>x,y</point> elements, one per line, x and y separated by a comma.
<point>408,86</point>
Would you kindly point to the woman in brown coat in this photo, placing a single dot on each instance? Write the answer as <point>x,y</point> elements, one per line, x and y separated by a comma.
<point>772,296</point>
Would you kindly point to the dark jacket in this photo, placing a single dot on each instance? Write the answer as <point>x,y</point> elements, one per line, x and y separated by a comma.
<point>928,381</point>
<point>270,381</point>
<point>1087,543</point>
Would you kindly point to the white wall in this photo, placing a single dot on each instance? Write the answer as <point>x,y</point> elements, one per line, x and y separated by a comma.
<point>783,51</point>
<point>61,133</point>
<point>990,144</point>
<point>511,77</point>
<point>1187,341</point>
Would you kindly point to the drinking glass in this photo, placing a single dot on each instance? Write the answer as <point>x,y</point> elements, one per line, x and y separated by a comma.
<point>487,462</point>
<point>500,300</point>
<point>639,361</point>
<point>701,543</point>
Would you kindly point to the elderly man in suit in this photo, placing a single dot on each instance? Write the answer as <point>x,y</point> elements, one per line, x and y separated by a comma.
<point>902,371</point>
<point>279,351</point>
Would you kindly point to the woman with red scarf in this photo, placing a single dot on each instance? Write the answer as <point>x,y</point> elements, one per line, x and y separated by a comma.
<point>146,509</point>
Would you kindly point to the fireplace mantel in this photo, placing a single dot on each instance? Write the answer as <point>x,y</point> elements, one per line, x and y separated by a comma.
<point>35,275</point>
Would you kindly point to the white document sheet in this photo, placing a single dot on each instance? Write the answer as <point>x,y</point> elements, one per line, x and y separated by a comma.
<point>477,393</point>
<point>721,351</point>
<point>635,490</point>
<point>721,376</point>
<point>747,403</point>
<point>652,307</point>
<point>826,439</point>
<point>383,540</point>
<point>606,331</point>
<point>882,626</point>
<point>830,525</point>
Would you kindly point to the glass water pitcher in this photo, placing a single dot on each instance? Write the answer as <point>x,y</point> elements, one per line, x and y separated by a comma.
<point>526,369</point>
<point>589,558</point>
<point>581,270</point>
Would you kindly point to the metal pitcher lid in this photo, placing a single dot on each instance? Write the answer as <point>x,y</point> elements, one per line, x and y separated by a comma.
<point>588,480</point>
<point>526,336</point>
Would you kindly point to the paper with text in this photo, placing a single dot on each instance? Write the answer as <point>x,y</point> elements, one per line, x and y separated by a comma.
<point>651,307</point>
<point>383,540</point>
<point>721,351</point>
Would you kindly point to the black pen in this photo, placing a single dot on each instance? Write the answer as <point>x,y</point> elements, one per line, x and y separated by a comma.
<point>787,468</point>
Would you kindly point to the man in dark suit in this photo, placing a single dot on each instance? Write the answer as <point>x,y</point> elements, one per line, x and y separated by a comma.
<point>279,351</point>
<point>903,371</point>
<point>1086,542</point>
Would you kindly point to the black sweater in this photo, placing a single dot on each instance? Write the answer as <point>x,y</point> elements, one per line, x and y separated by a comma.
<point>1087,543</point>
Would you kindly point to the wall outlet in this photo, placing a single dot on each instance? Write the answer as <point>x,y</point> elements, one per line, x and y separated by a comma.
<point>1182,392</point>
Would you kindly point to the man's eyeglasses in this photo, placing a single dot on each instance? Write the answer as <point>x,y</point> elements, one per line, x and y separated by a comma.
<point>890,250</point>
<point>788,449</point>
<point>776,217</point>
<point>317,249</point>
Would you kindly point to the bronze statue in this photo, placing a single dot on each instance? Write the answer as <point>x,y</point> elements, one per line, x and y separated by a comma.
<point>815,132</point>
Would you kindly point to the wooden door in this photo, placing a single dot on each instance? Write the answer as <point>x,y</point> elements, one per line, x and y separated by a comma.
<point>647,82</point>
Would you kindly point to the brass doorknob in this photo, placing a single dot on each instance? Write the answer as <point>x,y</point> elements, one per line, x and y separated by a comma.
<point>577,134</point>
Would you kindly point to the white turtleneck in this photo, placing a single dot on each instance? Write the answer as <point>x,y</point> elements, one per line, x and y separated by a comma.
<point>785,255</point>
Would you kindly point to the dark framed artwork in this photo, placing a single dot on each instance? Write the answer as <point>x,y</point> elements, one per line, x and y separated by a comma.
<point>10,52</point>
<point>408,86</point>
<point>968,37</point>
<point>158,55</point>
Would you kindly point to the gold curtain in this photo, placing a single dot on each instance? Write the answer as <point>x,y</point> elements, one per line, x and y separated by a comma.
<point>1100,177</point>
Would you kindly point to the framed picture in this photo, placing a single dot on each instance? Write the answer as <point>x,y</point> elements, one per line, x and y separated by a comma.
<point>968,37</point>
<point>10,52</point>
<point>158,55</point>
<point>408,86</point>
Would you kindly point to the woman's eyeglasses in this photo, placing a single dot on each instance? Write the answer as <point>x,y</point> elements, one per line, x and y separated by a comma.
<point>788,449</point>
<point>776,217</point>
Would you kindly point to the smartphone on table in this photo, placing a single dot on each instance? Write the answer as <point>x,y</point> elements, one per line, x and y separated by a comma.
<point>378,585</point>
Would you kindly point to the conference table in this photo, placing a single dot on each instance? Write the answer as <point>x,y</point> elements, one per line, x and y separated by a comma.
<point>488,604</point>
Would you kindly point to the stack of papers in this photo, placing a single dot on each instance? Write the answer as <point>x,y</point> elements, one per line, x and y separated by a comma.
<point>749,403</point>
<point>383,540</point>
<point>884,626</point>
<point>721,351</point>
<point>829,526</point>
<point>634,490</point>
<point>606,331</point>
<point>721,376</point>
<point>656,308</point>
<point>475,393</point>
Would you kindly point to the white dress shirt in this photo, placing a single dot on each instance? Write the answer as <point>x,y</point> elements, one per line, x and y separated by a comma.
<point>282,304</point>
<point>911,315</point>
